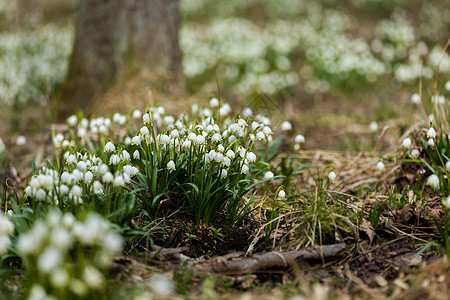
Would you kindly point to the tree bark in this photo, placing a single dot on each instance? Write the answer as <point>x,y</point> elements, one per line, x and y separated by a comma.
<point>117,38</point>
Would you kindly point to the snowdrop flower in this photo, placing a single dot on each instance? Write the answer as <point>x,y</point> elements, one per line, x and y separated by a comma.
<point>40,194</point>
<point>6,226</point>
<point>380,166</point>
<point>93,277</point>
<point>251,157</point>
<point>58,139</point>
<point>373,126</point>
<point>187,144</point>
<point>247,112</point>
<point>125,155</point>
<point>407,142</point>
<point>136,154</point>
<point>226,161</point>
<point>136,114</point>
<point>109,147</point>
<point>71,159</point>
<point>162,285</point>
<point>415,153</point>
<point>431,118</point>
<point>260,136</point>
<point>286,126</point>
<point>433,181</point>
<point>144,132</point>
<point>225,109</point>
<point>114,159</point>
<point>216,137</point>
<point>171,165</point>
<point>119,181</point>
<point>214,102</point>
<point>136,140</point>
<point>103,129</point>
<point>447,165</point>
<point>244,169</point>
<point>223,173</point>
<point>220,148</point>
<point>102,169</point>
<point>108,177</point>
<point>446,203</point>
<point>268,175</point>
<point>438,99</point>
<point>267,130</point>
<point>430,142</point>
<point>332,176</point>
<point>299,139</point>
<point>98,187</point>
<point>200,140</point>
<point>127,141</point>
<point>77,191</point>
<point>281,195</point>
<point>415,98</point>
<point>21,140</point>
<point>72,120</point>
<point>82,166</point>
<point>49,260</point>
<point>146,119</point>
<point>88,176</point>
<point>431,133</point>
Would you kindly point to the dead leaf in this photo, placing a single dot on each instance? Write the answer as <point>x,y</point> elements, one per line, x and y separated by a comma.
<point>367,228</point>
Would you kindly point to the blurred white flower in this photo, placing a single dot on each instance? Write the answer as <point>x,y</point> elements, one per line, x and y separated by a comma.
<point>430,142</point>
<point>415,153</point>
<point>332,176</point>
<point>21,140</point>
<point>136,114</point>
<point>281,195</point>
<point>407,142</point>
<point>299,139</point>
<point>446,203</point>
<point>109,147</point>
<point>433,181</point>
<point>373,126</point>
<point>162,285</point>
<point>268,175</point>
<point>415,98</point>
<point>431,133</point>
<point>286,126</point>
<point>380,166</point>
<point>214,102</point>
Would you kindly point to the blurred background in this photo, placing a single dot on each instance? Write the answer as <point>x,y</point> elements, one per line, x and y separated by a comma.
<point>330,66</point>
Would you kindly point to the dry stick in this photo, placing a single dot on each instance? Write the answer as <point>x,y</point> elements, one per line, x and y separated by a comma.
<point>268,260</point>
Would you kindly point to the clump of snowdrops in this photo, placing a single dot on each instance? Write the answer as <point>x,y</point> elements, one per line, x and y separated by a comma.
<point>68,257</point>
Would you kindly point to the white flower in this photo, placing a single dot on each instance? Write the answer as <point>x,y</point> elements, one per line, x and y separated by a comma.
<point>433,181</point>
<point>40,194</point>
<point>21,140</point>
<point>267,130</point>
<point>144,132</point>
<point>380,166</point>
<point>214,102</point>
<point>286,126</point>
<point>332,176</point>
<point>430,142</point>
<point>71,159</point>
<point>77,191</point>
<point>109,147</point>
<point>251,157</point>
<point>136,154</point>
<point>260,136</point>
<point>162,285</point>
<point>146,119</point>
<point>72,120</point>
<point>431,133</point>
<point>223,173</point>
<point>373,126</point>
<point>446,203</point>
<point>407,142</point>
<point>447,85</point>
<point>102,169</point>
<point>245,169</point>
<point>268,175</point>
<point>125,155</point>
<point>49,260</point>
<point>108,177</point>
<point>415,153</point>
<point>281,195</point>
<point>119,181</point>
<point>299,139</point>
<point>59,278</point>
<point>127,141</point>
<point>415,98</point>
<point>136,140</point>
<point>93,277</point>
<point>431,118</point>
<point>200,140</point>
<point>216,137</point>
<point>226,161</point>
<point>171,165</point>
<point>230,154</point>
<point>5,242</point>
<point>114,159</point>
<point>88,176</point>
<point>247,112</point>
<point>136,114</point>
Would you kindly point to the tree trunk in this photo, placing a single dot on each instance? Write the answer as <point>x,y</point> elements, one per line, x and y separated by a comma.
<point>117,38</point>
